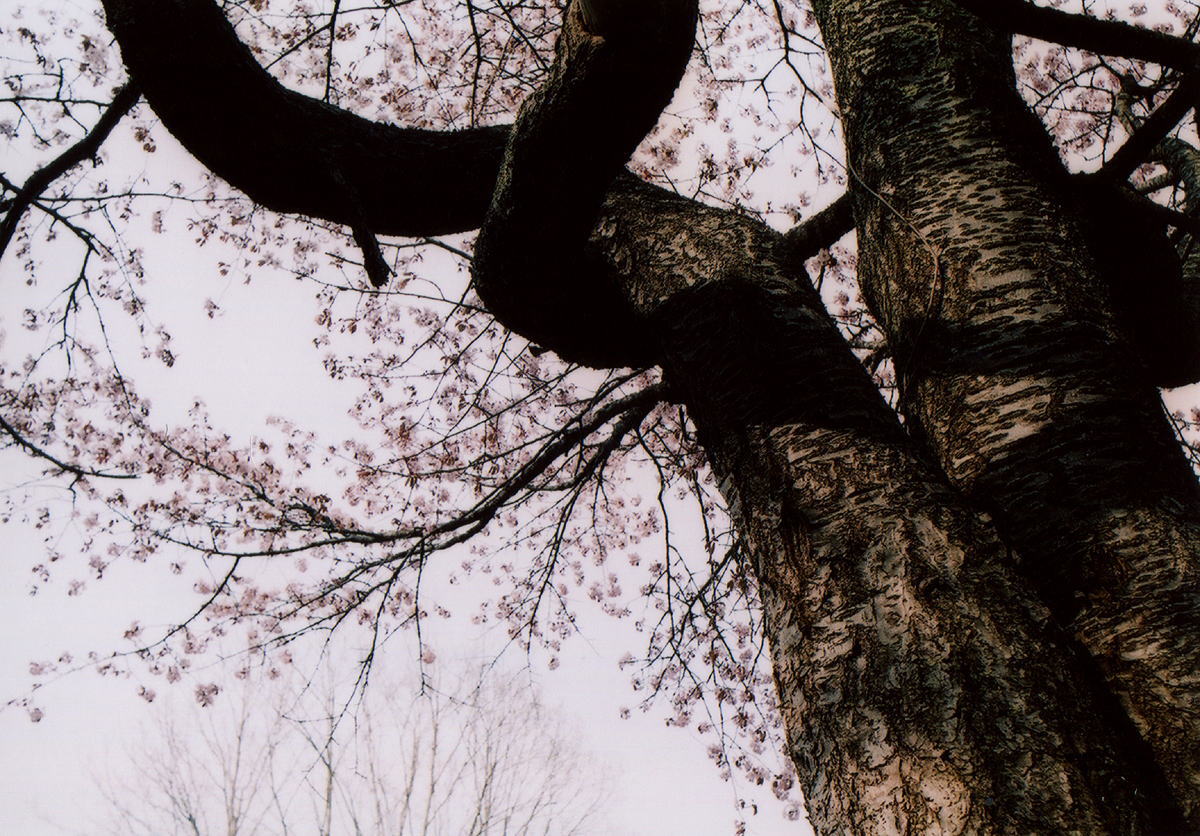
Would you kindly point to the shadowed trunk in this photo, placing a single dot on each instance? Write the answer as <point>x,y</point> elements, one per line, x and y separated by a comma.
<point>923,688</point>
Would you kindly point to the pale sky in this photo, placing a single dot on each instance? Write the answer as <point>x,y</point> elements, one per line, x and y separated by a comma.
<point>663,782</point>
<point>245,366</point>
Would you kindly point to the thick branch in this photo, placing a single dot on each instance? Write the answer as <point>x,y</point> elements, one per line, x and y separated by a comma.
<point>1105,37</point>
<point>1126,234</point>
<point>1183,162</point>
<point>82,150</point>
<point>571,140</point>
<point>1155,298</point>
<point>290,152</point>
<point>1140,147</point>
<point>209,92</point>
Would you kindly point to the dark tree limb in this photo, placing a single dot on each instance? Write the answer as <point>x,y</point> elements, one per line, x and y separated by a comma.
<point>821,231</point>
<point>290,152</point>
<point>1182,160</point>
<point>1167,216</point>
<point>572,138</point>
<point>84,149</point>
<point>1105,37</point>
<point>210,92</point>
<point>1126,234</point>
<point>1154,292</point>
<point>1139,148</point>
<point>374,263</point>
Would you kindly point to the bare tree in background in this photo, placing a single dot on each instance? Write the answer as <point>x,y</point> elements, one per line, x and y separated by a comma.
<point>481,760</point>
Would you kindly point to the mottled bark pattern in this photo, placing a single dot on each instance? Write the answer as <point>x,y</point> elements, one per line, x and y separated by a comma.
<point>923,689</point>
<point>906,658</point>
<point>1012,368</point>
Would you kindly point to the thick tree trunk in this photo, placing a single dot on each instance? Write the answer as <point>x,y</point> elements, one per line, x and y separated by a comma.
<point>924,691</point>
<point>1012,369</point>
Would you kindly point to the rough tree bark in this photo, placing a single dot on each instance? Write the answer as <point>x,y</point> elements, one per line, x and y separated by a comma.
<point>927,685</point>
<point>1012,370</point>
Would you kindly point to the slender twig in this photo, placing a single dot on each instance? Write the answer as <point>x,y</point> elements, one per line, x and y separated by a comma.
<point>82,150</point>
<point>337,5</point>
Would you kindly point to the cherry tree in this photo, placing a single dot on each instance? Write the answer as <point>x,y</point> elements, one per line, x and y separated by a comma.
<point>948,535</point>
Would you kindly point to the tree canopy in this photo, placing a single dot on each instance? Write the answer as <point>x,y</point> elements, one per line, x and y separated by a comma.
<point>904,504</point>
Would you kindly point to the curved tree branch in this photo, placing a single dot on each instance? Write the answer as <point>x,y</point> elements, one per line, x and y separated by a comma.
<point>290,152</point>
<point>278,147</point>
<point>572,138</point>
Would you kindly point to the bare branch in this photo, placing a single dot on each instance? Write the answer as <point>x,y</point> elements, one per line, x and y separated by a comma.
<point>212,94</point>
<point>1105,37</point>
<point>82,150</point>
